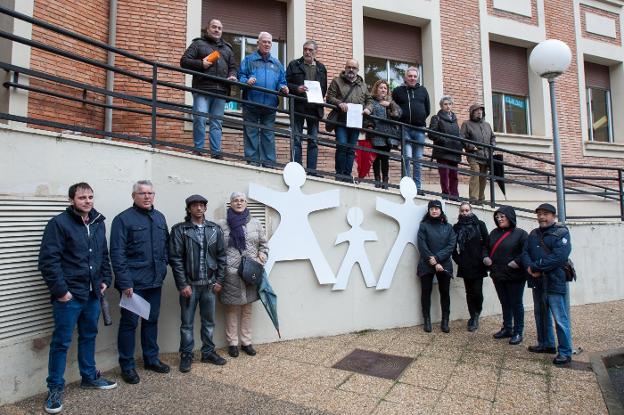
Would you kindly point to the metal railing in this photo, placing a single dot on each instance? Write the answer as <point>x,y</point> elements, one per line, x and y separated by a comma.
<point>598,182</point>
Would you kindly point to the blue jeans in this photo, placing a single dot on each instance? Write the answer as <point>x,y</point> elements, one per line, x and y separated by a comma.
<point>149,331</point>
<point>205,297</point>
<point>413,150</point>
<point>214,107</point>
<point>313,128</point>
<point>510,295</point>
<point>345,155</point>
<point>66,315</point>
<point>259,142</point>
<point>559,306</point>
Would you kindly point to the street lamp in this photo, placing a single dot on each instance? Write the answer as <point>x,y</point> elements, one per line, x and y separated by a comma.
<point>549,59</point>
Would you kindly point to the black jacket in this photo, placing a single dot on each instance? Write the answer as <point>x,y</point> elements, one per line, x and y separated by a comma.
<point>184,250</point>
<point>508,250</point>
<point>138,248</point>
<point>470,260</point>
<point>445,123</point>
<point>224,67</point>
<point>295,76</point>
<point>414,103</point>
<point>435,238</point>
<point>73,256</point>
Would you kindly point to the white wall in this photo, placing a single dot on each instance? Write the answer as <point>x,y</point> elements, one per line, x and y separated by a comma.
<point>39,163</point>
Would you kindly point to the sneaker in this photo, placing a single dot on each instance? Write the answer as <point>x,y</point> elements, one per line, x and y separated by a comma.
<point>98,383</point>
<point>54,402</point>
<point>249,350</point>
<point>213,358</point>
<point>186,360</point>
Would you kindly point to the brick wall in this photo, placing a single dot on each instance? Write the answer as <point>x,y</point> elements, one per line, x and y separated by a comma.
<point>517,17</point>
<point>613,16</point>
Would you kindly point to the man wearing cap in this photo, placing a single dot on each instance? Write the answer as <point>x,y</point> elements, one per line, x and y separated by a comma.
<point>545,253</point>
<point>197,257</point>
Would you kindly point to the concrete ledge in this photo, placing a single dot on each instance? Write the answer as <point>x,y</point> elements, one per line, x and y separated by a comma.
<point>599,362</point>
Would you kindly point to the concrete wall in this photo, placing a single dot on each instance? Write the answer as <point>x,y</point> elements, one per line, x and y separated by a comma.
<point>39,163</point>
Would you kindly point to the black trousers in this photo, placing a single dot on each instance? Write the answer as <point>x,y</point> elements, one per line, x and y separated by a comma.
<point>474,295</point>
<point>444,284</point>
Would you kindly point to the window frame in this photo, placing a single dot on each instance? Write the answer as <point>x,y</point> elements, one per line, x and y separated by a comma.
<point>527,101</point>
<point>590,117</point>
<point>418,65</point>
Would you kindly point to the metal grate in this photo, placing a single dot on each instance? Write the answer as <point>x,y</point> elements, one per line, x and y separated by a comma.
<point>24,298</point>
<point>369,363</point>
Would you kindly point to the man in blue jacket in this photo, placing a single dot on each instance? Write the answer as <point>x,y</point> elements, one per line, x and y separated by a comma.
<point>262,70</point>
<point>546,251</point>
<point>139,239</point>
<point>74,263</point>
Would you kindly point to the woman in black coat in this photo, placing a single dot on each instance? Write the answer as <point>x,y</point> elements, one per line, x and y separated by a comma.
<point>448,150</point>
<point>471,248</point>
<point>436,242</point>
<point>509,276</point>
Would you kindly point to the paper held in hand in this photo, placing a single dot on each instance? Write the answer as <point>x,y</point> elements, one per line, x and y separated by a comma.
<point>354,116</point>
<point>314,92</point>
<point>136,304</point>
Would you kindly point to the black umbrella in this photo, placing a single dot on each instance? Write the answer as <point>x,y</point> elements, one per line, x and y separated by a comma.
<point>499,171</point>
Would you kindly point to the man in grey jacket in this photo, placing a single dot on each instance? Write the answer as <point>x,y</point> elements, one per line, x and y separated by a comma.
<point>198,259</point>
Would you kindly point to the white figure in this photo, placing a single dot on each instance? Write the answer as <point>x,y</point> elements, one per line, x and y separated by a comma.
<point>294,239</point>
<point>408,215</point>
<point>356,253</point>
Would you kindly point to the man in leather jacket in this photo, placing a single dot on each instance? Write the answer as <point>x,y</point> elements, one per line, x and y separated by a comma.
<point>198,258</point>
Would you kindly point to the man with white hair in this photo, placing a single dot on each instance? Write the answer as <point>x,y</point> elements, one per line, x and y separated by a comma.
<point>263,70</point>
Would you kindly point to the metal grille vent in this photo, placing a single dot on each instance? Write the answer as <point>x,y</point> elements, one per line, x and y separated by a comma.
<point>24,298</point>
<point>256,210</point>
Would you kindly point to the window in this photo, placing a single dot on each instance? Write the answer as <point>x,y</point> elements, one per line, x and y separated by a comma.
<point>390,48</point>
<point>510,89</point>
<point>599,112</point>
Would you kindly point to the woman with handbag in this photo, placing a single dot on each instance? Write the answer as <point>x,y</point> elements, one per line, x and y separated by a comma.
<point>245,237</point>
<point>509,276</point>
<point>385,108</point>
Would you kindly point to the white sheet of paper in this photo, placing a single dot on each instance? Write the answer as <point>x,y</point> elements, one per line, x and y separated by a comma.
<point>314,93</point>
<point>354,115</point>
<point>136,304</point>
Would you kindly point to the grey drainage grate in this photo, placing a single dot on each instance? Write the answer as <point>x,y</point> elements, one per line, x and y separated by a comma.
<point>374,364</point>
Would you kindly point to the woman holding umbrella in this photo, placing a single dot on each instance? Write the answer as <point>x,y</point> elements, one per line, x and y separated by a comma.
<point>436,242</point>
<point>245,236</point>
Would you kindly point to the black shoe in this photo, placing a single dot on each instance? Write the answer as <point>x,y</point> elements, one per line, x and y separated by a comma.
<point>470,324</point>
<point>540,349</point>
<point>562,360</point>
<point>130,376</point>
<point>249,350</point>
<point>158,367</point>
<point>515,339</point>
<point>186,360</point>
<point>427,325</point>
<point>444,325</point>
<point>213,358</point>
<point>420,192</point>
<point>233,351</point>
<point>502,334</point>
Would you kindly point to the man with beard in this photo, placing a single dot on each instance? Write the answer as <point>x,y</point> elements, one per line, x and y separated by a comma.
<point>213,56</point>
<point>347,88</point>
<point>480,131</point>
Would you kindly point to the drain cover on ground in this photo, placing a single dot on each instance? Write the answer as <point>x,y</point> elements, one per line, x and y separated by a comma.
<point>374,364</point>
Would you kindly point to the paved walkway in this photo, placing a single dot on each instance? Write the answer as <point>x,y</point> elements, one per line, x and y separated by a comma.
<point>456,373</point>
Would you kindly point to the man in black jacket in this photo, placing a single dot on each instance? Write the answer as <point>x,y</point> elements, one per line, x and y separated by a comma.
<point>221,64</point>
<point>197,257</point>
<point>413,99</point>
<point>74,263</point>
<point>306,68</point>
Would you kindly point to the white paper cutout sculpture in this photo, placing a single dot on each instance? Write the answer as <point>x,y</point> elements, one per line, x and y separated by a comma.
<point>294,239</point>
<point>356,253</point>
<point>408,215</point>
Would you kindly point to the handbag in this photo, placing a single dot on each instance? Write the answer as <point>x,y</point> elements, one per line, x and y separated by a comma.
<point>333,114</point>
<point>250,271</point>
<point>568,267</point>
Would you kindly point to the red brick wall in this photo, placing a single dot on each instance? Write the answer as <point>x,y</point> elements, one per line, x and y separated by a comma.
<point>587,35</point>
<point>517,17</point>
<point>89,19</point>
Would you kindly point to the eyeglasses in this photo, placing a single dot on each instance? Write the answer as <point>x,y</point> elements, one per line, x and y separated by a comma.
<point>143,194</point>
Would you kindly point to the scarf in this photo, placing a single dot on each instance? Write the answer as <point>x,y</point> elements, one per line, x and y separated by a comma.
<point>236,221</point>
<point>467,229</point>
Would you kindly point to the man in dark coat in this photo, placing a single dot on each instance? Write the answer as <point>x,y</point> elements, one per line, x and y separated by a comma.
<point>73,261</point>
<point>198,259</point>
<point>306,68</point>
<point>480,131</point>
<point>545,254</point>
<point>138,247</point>
<point>223,65</point>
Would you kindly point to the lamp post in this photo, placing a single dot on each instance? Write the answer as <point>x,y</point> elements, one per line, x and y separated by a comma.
<point>549,59</point>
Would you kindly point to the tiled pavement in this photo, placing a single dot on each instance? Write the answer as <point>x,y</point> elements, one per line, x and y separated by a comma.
<point>456,373</point>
